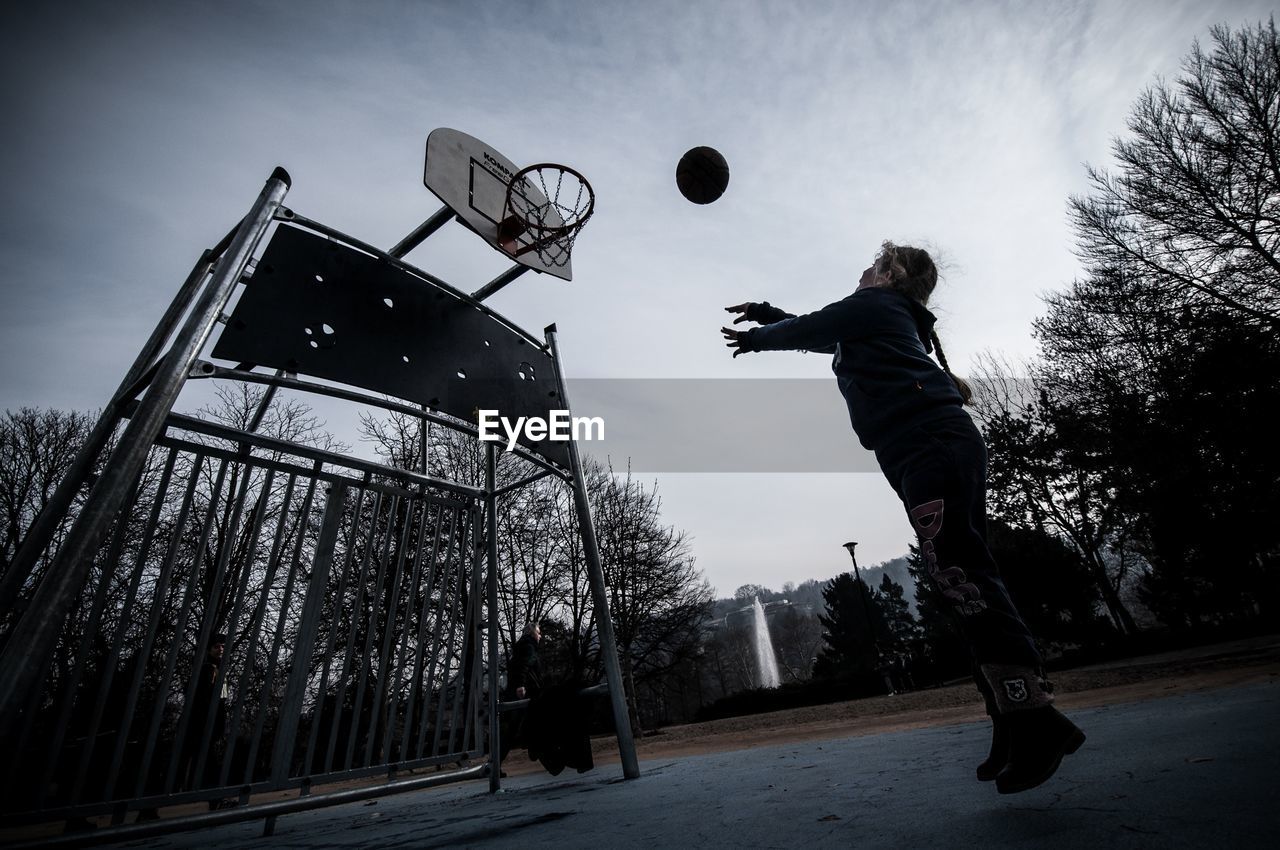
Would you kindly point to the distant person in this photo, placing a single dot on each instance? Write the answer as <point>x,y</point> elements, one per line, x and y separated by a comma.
<point>524,681</point>
<point>903,672</point>
<point>909,411</point>
<point>524,674</point>
<point>555,726</point>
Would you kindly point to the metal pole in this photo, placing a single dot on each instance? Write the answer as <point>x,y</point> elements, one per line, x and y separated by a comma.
<point>47,521</point>
<point>864,592</point>
<point>499,282</point>
<point>491,590</point>
<point>41,531</point>
<point>419,235</point>
<point>35,635</point>
<point>608,645</point>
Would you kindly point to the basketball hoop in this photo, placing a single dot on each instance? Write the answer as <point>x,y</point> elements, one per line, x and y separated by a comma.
<point>546,207</point>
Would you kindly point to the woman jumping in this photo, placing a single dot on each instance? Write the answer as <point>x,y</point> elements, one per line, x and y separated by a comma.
<point>910,413</point>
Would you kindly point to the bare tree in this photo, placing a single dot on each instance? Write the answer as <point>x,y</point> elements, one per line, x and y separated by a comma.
<point>37,448</point>
<point>231,545</point>
<point>1194,207</point>
<point>659,599</point>
<point>1045,471</point>
<point>747,593</point>
<point>730,657</point>
<point>797,634</point>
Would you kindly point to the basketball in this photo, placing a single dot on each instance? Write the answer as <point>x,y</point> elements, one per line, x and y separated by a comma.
<point>702,175</point>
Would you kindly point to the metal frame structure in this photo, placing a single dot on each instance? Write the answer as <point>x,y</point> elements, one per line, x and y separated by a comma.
<point>363,597</point>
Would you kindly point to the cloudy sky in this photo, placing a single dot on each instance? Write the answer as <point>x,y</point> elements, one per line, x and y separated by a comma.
<point>138,133</point>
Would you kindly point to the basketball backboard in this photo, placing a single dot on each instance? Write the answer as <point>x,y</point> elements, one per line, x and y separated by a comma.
<point>472,178</point>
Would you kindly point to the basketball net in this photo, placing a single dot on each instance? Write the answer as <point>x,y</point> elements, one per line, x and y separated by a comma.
<point>548,205</point>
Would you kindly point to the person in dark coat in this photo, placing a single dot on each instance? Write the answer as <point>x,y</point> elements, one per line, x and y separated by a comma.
<point>909,411</point>
<point>524,674</point>
<point>524,681</point>
<point>554,727</point>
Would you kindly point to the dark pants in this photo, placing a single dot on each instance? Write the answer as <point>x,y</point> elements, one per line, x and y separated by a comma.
<point>939,470</point>
<point>510,731</point>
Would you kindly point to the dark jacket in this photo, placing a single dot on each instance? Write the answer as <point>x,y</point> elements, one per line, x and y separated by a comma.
<point>525,670</point>
<point>880,339</point>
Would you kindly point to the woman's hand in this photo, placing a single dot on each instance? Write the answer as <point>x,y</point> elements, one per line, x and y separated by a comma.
<point>737,340</point>
<point>740,308</point>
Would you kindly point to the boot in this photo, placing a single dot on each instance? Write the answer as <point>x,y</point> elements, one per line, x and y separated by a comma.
<point>999,755</point>
<point>1038,740</point>
<point>1037,734</point>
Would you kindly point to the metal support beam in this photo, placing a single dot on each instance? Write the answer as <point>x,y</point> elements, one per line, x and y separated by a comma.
<point>491,591</point>
<point>599,597</point>
<point>420,233</point>
<point>41,532</point>
<point>23,663</point>
<point>499,282</point>
<point>525,482</point>
<point>264,404</point>
<point>273,808</point>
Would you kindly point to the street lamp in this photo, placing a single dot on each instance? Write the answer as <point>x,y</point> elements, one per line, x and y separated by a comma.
<point>866,608</point>
<point>858,578</point>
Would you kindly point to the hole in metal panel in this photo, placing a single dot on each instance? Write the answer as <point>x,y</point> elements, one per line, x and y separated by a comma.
<point>389,303</point>
<point>319,279</point>
<point>328,329</point>
<point>404,357</point>
<point>315,344</point>
<point>461,374</point>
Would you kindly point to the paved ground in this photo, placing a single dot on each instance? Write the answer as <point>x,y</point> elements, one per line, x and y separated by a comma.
<point>1192,770</point>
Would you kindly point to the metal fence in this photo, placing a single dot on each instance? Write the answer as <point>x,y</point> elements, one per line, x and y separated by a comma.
<point>349,603</point>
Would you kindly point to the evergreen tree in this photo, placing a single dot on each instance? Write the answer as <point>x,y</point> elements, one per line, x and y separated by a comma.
<point>1050,585</point>
<point>849,636</point>
<point>941,651</point>
<point>901,630</point>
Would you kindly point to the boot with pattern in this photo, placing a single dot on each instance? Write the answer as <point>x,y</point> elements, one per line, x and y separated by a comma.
<point>1039,735</point>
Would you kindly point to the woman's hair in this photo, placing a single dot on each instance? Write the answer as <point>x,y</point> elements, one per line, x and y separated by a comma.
<point>912,272</point>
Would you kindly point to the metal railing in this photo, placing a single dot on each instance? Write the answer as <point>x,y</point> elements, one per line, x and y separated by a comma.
<point>349,604</point>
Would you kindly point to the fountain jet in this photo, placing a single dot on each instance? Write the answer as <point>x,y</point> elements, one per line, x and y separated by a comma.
<point>766,662</point>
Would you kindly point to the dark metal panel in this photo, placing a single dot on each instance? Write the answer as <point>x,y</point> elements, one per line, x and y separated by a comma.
<point>320,308</point>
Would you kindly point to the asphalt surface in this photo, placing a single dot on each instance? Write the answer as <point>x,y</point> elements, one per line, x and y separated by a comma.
<point>1193,770</point>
